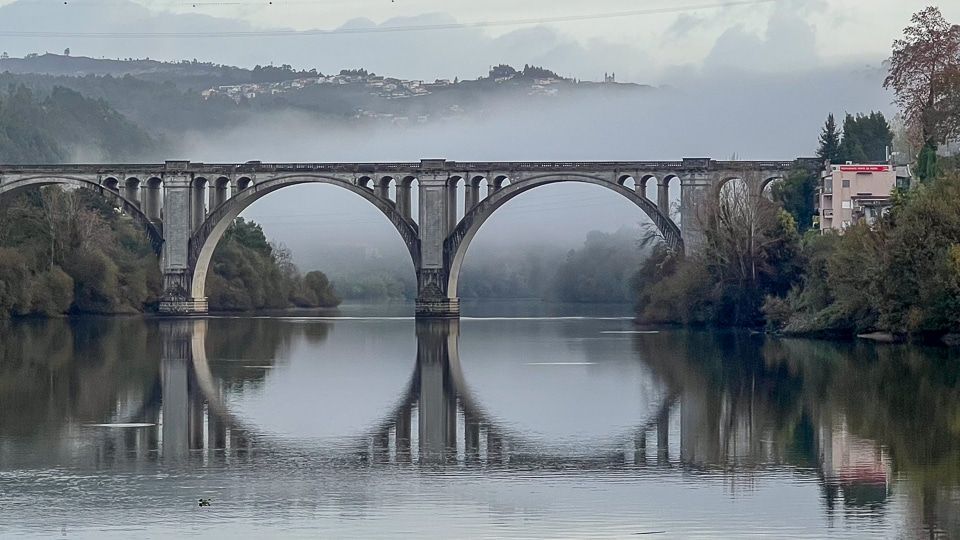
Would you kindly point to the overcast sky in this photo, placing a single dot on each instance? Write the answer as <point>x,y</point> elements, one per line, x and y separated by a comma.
<point>772,36</point>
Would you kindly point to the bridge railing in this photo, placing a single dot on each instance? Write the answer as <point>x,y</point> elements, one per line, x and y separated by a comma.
<point>250,167</point>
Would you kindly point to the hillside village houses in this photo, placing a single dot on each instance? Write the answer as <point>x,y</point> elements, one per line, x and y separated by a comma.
<point>388,88</point>
<point>543,84</point>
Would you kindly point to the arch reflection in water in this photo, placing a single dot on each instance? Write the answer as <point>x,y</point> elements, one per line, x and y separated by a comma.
<point>436,420</point>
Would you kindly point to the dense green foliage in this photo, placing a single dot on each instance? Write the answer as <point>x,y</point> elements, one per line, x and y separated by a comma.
<point>900,276</point>
<point>248,273</point>
<point>797,194</point>
<point>750,251</point>
<point>866,138</point>
<point>64,126</point>
<point>68,251</point>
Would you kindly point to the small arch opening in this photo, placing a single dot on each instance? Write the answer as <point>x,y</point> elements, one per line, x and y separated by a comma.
<point>458,193</point>
<point>648,187</point>
<point>408,197</point>
<point>199,198</point>
<point>131,190</point>
<point>474,191</point>
<point>387,189</point>
<point>673,197</point>
<point>769,187</point>
<point>112,184</point>
<point>153,198</point>
<point>244,183</point>
<point>221,191</point>
<point>628,181</point>
<point>733,194</point>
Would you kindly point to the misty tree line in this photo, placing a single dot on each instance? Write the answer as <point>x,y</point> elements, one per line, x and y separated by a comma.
<point>598,271</point>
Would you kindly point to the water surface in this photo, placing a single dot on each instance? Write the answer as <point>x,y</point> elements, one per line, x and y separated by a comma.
<point>537,424</point>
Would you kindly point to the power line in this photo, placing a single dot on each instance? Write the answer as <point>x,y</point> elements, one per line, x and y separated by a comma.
<point>380,29</point>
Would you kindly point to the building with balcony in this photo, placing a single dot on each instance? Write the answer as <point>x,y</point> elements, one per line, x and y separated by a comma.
<point>851,193</point>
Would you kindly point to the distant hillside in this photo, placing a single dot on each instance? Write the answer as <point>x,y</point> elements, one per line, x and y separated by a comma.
<point>165,99</point>
<point>185,74</point>
<point>168,95</point>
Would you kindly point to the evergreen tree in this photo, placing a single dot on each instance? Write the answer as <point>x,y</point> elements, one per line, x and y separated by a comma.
<point>829,141</point>
<point>865,138</point>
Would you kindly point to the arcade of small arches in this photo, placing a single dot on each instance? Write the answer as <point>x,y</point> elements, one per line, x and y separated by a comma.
<point>185,208</point>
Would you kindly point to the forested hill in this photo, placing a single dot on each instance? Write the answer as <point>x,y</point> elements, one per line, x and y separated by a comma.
<point>63,125</point>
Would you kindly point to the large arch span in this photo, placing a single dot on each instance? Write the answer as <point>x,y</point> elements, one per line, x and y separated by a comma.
<point>204,241</point>
<point>459,240</point>
<point>114,197</point>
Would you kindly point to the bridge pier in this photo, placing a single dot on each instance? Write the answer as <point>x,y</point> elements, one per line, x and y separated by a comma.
<point>438,209</point>
<point>178,203</point>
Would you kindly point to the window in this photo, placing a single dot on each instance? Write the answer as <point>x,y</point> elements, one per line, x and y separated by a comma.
<point>846,183</point>
<point>846,204</point>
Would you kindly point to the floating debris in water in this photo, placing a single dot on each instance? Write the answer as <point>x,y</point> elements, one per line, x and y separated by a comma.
<point>203,502</point>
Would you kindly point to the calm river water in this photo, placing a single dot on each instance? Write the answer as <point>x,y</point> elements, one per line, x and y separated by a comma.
<point>523,427</point>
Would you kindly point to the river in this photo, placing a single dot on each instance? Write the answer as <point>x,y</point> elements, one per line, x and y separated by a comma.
<point>521,421</point>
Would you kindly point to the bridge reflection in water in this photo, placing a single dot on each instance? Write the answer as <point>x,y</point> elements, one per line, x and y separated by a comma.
<point>873,428</point>
<point>436,421</point>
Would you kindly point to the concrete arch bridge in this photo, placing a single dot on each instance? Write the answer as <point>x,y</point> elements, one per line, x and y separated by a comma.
<point>185,207</point>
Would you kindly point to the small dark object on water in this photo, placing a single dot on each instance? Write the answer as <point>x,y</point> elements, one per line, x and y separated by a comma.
<point>203,502</point>
<point>652,532</point>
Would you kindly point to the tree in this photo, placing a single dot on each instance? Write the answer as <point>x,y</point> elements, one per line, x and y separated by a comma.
<point>796,193</point>
<point>829,141</point>
<point>866,138</point>
<point>751,250</point>
<point>925,76</point>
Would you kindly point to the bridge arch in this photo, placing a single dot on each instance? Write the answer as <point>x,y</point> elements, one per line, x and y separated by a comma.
<point>110,194</point>
<point>205,238</point>
<point>766,186</point>
<point>459,240</point>
<point>131,190</point>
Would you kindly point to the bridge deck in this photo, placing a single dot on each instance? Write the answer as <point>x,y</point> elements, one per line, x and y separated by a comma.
<point>423,165</point>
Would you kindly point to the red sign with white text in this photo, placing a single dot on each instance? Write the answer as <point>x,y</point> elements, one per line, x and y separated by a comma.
<point>864,168</point>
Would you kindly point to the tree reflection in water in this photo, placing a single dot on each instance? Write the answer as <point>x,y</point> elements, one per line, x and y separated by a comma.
<point>865,421</point>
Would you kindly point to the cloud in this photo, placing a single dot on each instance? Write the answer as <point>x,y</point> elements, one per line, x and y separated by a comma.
<point>789,42</point>
<point>463,52</point>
